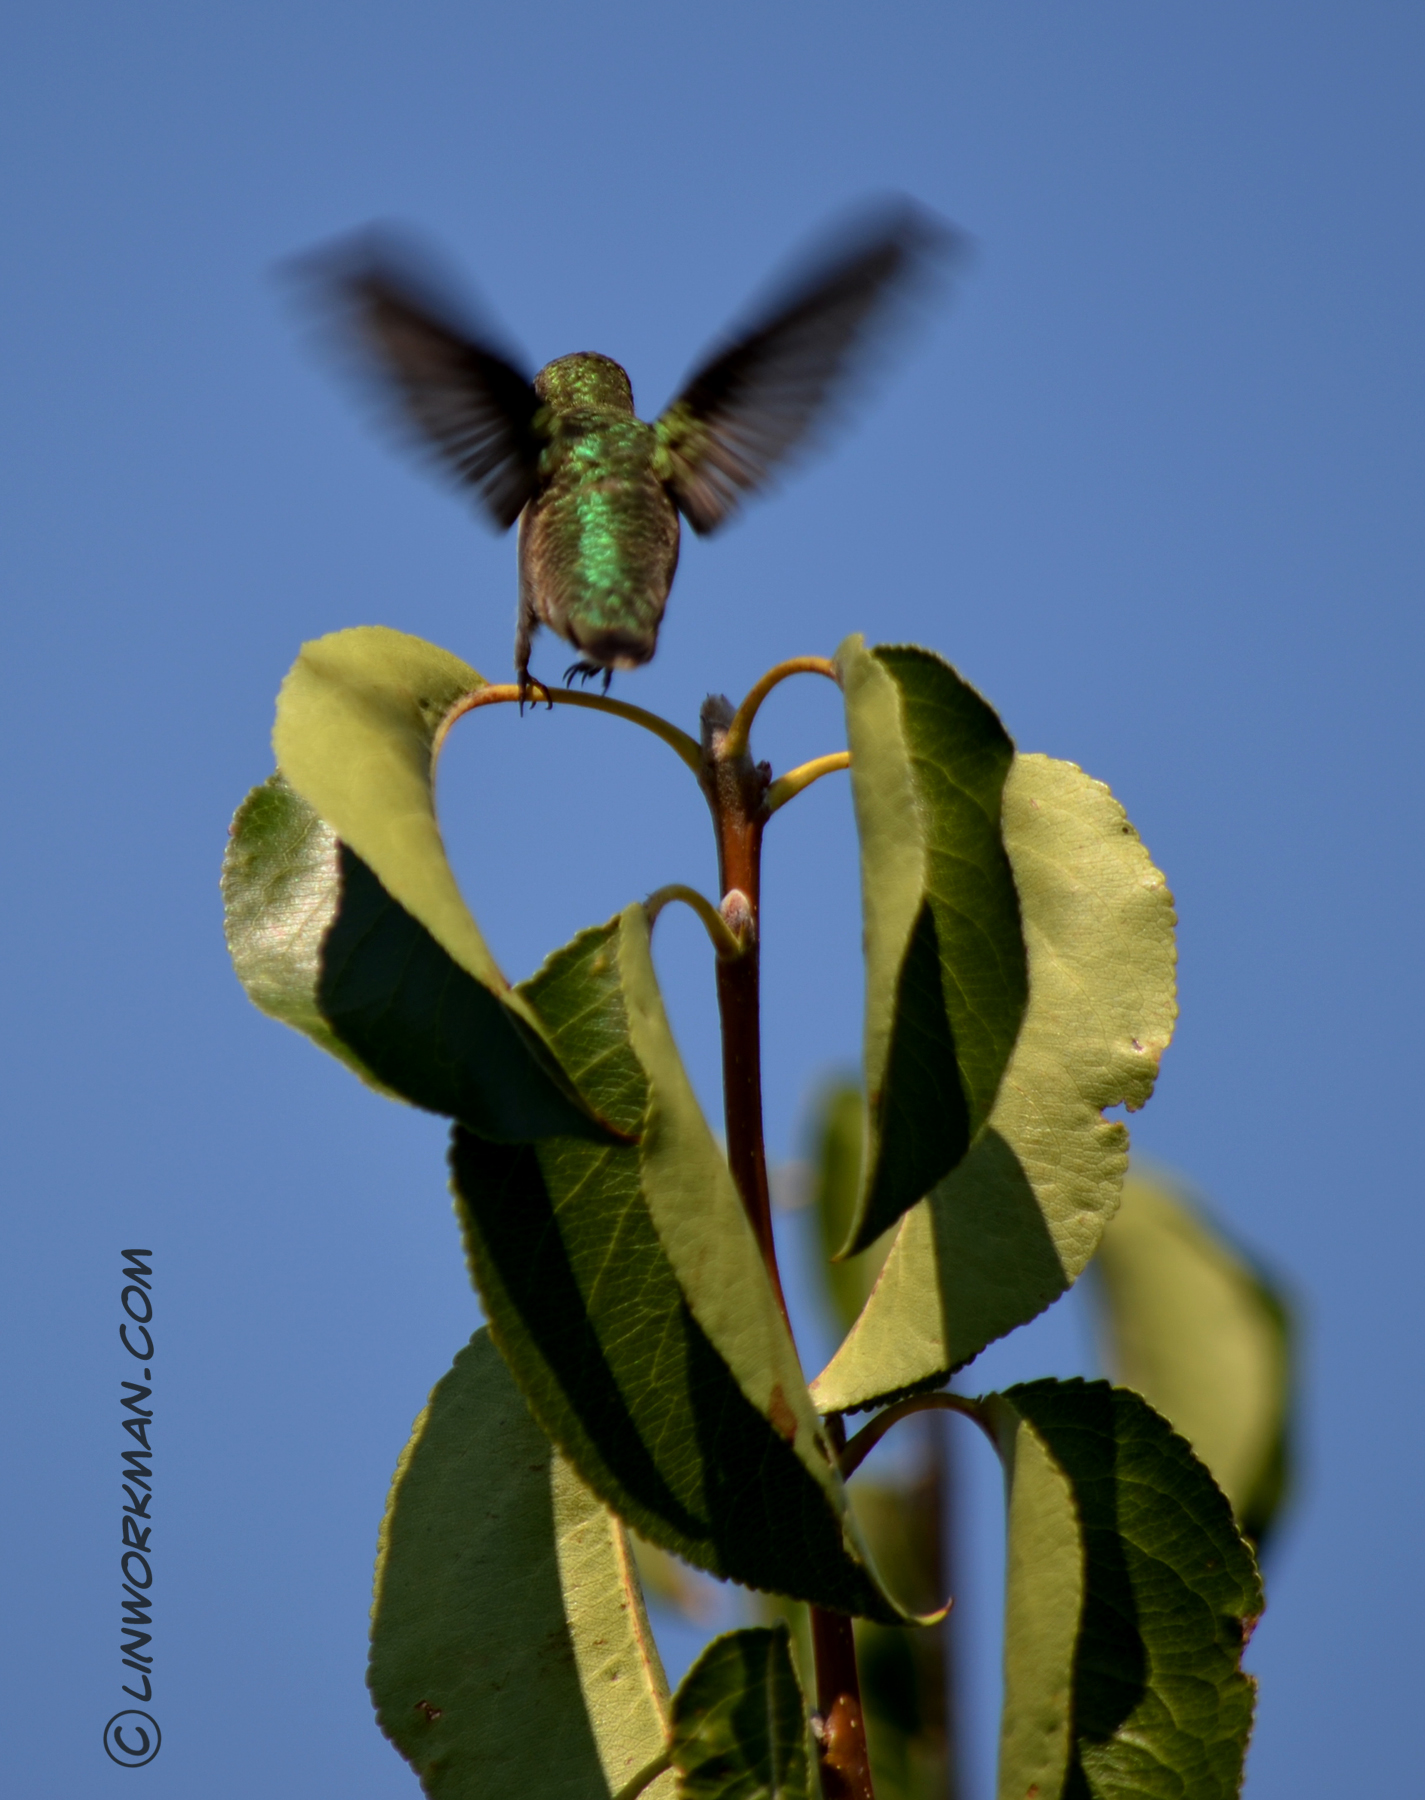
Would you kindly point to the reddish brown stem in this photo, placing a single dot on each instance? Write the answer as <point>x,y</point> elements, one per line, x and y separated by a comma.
<point>736,789</point>
<point>841,1739</point>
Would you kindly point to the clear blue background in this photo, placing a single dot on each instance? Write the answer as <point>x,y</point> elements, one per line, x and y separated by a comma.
<point>1152,482</point>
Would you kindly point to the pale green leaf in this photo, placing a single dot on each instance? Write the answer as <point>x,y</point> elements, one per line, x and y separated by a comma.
<point>945,961</point>
<point>1043,1606</point>
<point>626,1289</point>
<point>1017,1222</point>
<point>510,1655</point>
<point>1204,1337</point>
<point>1146,1699</point>
<point>740,1723</point>
<point>343,917</point>
<point>358,720</point>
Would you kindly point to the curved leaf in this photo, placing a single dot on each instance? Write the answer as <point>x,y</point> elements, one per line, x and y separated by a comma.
<point>357,722</point>
<point>1205,1339</point>
<point>281,890</point>
<point>343,916</point>
<point>945,962</point>
<point>740,1723</point>
<point>1043,1609</point>
<point>627,1292</point>
<point>318,943</point>
<point>1017,1222</point>
<point>510,1655</point>
<point>1155,1702</point>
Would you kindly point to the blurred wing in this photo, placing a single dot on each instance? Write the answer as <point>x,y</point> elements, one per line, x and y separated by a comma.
<point>750,406</point>
<point>457,395</point>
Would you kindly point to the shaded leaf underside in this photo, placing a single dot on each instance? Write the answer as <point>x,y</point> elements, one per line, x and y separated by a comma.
<point>739,1723</point>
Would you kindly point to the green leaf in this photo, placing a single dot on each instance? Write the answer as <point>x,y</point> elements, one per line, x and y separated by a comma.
<point>1017,1222</point>
<point>1205,1338</point>
<point>838,1133</point>
<point>740,1723</point>
<point>1043,1608</point>
<point>358,721</point>
<point>343,917</point>
<point>626,1289</point>
<point>281,889</point>
<point>945,962</point>
<point>1131,1594</point>
<point>510,1655</point>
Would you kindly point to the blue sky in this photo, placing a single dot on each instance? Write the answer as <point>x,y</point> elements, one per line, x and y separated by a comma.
<point>1152,482</point>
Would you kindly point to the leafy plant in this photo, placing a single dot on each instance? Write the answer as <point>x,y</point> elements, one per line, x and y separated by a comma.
<point>638,1370</point>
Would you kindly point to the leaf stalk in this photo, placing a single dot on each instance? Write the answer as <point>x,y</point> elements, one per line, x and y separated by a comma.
<point>787,787</point>
<point>501,693</point>
<point>865,1440</point>
<point>739,730</point>
<point>725,940</point>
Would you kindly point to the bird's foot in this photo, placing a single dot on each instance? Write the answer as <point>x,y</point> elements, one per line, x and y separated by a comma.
<point>586,671</point>
<point>533,690</point>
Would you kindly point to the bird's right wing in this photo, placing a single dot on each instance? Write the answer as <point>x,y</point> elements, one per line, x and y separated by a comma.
<point>457,395</point>
<point>758,399</point>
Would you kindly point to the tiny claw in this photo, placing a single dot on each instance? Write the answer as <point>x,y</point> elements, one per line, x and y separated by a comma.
<point>533,690</point>
<point>586,671</point>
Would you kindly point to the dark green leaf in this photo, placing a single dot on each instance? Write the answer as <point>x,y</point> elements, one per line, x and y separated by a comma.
<point>626,1289</point>
<point>1196,1329</point>
<point>510,1655</point>
<point>1163,1589</point>
<point>318,943</point>
<point>945,962</point>
<point>1017,1222</point>
<point>740,1723</point>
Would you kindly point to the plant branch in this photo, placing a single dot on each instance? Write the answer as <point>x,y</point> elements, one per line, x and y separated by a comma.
<point>739,730</point>
<point>724,939</point>
<point>737,793</point>
<point>500,693</point>
<point>840,1722</point>
<point>869,1436</point>
<point>787,787</point>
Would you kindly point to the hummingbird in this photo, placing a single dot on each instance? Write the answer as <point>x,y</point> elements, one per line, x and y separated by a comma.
<point>597,491</point>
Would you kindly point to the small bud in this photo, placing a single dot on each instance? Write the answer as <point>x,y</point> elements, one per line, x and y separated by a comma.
<point>736,908</point>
